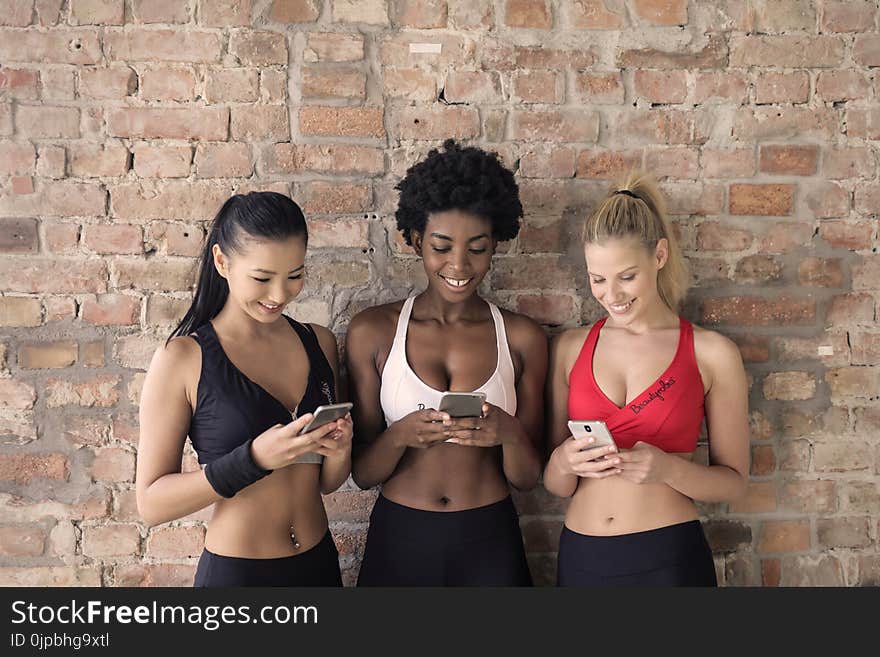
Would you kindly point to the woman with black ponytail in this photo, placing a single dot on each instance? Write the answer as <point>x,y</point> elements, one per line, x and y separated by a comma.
<point>232,377</point>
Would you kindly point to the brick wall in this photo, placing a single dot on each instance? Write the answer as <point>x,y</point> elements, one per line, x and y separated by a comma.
<point>125,123</point>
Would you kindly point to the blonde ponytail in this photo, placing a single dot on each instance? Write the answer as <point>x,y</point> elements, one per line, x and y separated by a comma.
<point>635,208</point>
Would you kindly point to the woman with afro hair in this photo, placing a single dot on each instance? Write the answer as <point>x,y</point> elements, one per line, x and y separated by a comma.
<point>444,516</point>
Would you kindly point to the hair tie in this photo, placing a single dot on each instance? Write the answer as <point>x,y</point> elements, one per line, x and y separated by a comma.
<point>626,192</point>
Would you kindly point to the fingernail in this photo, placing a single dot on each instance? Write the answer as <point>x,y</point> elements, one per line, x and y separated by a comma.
<point>591,440</point>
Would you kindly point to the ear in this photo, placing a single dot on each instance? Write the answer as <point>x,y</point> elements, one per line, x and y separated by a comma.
<point>416,238</point>
<point>661,252</point>
<point>221,262</point>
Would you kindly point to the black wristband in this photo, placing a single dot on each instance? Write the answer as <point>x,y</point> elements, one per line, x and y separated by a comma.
<point>234,471</point>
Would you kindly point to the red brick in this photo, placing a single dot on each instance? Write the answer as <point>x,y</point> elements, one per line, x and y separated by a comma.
<point>49,355</point>
<point>771,572</point>
<point>789,160</point>
<point>673,163</point>
<point>715,236</point>
<point>662,12</point>
<point>258,48</point>
<point>17,13</point>
<point>568,125</point>
<point>473,87</point>
<point>848,15</point>
<point>24,468</point>
<point>843,532</point>
<point>599,88</point>
<point>170,275</point>
<point>340,233</point>
<point>113,465</point>
<point>115,82</point>
<point>22,541</point>
<point>866,49</point>
<point>68,276</point>
<point>693,198</point>
<point>160,11</point>
<point>655,126</point>
<point>547,309</point>
<point>593,15</point>
<point>790,349</point>
<point>789,386</point>
<point>863,123</point>
<point>59,308</point>
<point>165,311</point>
<point>547,163</point>
<point>828,199</point>
<point>780,123</point>
<point>319,197</point>
<point>543,272</point>
<point>720,88</point>
<point>528,14</point>
<point>410,83</point>
<point>223,13</point>
<point>260,122</point>
<point>47,122</point>
<point>737,163</point>
<point>865,347</point>
<point>436,123</point>
<point>858,382</point>
<point>92,354</point>
<point>295,11</point>
<point>848,163</point>
<point>537,57</point>
<point>175,542</point>
<point>712,55</point>
<point>18,236</point>
<point>821,272</point>
<point>61,46</point>
<point>757,269</point>
<point>661,86</point>
<point>760,497</point>
<point>787,51</point>
<point>332,83</point>
<point>234,84</point>
<point>853,307</point>
<point>784,536</point>
<point>757,311</point>
<point>110,540</point>
<point>342,121</point>
<point>99,391</point>
<point>841,85</point>
<point>175,239</point>
<point>372,12</point>
<point>224,160</point>
<point>761,200</point>
<point>172,45</point>
<point>19,83</point>
<point>784,236</point>
<point>541,235</point>
<point>183,123</point>
<point>20,311</point>
<point>809,496</point>
<point>97,12</point>
<point>394,50</point>
<point>782,87</point>
<point>334,47</point>
<point>160,574</point>
<point>91,160</point>
<point>538,87</point>
<point>326,158</point>
<point>175,200</point>
<point>162,161</point>
<point>421,14</point>
<point>763,460</point>
<point>111,310</point>
<point>168,83</point>
<point>866,198</point>
<point>464,14</point>
<point>846,457</point>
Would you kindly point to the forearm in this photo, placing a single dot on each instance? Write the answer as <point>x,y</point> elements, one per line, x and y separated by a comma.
<point>558,482</point>
<point>705,483</point>
<point>521,461</point>
<point>375,463</point>
<point>174,496</point>
<point>334,472</point>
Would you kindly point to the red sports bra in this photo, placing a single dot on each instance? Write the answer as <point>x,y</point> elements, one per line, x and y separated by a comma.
<point>667,414</point>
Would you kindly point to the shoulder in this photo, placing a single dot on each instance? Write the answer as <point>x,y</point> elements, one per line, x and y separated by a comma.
<point>177,362</point>
<point>522,329</point>
<point>570,341</point>
<point>375,322</point>
<point>715,350</point>
<point>326,340</point>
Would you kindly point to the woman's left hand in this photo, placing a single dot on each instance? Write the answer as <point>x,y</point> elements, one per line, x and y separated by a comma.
<point>337,443</point>
<point>643,464</point>
<point>488,430</point>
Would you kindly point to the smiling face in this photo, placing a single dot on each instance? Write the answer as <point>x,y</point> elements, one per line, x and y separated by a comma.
<point>263,275</point>
<point>623,275</point>
<point>456,250</point>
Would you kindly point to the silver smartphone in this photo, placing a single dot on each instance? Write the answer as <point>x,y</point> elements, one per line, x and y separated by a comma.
<point>462,404</point>
<point>596,429</point>
<point>325,414</point>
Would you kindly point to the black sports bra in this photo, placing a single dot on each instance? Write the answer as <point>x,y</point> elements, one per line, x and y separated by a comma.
<point>231,409</point>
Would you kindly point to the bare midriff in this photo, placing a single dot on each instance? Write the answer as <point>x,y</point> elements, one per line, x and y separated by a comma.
<point>280,515</point>
<point>614,506</point>
<point>448,478</point>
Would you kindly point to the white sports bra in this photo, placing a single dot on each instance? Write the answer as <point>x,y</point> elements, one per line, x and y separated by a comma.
<point>403,392</point>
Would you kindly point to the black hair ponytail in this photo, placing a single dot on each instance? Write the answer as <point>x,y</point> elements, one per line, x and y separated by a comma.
<point>261,215</point>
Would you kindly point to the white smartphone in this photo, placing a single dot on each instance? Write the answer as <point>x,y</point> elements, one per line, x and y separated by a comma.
<point>325,414</point>
<point>596,429</point>
<point>462,404</point>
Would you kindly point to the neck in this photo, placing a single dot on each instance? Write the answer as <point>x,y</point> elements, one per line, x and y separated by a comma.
<point>237,324</point>
<point>433,305</point>
<point>653,316</point>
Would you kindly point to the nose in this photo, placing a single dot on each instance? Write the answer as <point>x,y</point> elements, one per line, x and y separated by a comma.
<point>459,259</point>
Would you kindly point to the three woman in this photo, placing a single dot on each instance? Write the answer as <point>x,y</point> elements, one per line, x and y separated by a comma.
<point>653,378</point>
<point>232,376</point>
<point>241,380</point>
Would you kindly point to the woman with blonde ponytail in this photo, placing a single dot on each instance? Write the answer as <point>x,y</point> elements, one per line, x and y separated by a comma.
<point>652,378</point>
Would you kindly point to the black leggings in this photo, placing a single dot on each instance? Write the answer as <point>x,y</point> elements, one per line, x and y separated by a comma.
<point>317,566</point>
<point>677,555</point>
<point>474,547</point>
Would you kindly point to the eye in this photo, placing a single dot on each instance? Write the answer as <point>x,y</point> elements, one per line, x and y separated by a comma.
<point>260,280</point>
<point>437,249</point>
<point>597,281</point>
<point>295,277</point>
<point>478,251</point>
<point>628,278</point>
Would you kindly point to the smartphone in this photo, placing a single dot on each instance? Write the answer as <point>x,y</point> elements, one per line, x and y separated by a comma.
<point>596,429</point>
<point>462,404</point>
<point>325,414</point>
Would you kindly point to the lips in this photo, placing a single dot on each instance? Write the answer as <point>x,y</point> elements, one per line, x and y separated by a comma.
<point>621,308</point>
<point>271,309</point>
<point>456,283</point>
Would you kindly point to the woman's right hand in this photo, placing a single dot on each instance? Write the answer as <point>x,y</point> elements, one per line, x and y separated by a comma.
<point>421,429</point>
<point>281,444</point>
<point>576,456</point>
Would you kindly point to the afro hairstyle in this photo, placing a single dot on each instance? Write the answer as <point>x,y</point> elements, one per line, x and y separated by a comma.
<point>459,178</point>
